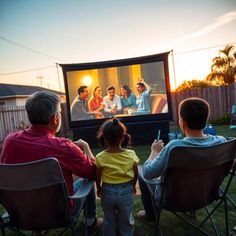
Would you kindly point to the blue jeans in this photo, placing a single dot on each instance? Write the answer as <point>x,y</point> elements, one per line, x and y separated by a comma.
<point>117,204</point>
<point>90,201</point>
<point>147,195</point>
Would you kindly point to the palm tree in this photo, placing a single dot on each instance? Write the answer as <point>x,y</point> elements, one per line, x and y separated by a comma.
<point>223,68</point>
<point>229,54</point>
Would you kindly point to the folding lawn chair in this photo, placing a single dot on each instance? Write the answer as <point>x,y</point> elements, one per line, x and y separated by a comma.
<point>192,181</point>
<point>35,197</point>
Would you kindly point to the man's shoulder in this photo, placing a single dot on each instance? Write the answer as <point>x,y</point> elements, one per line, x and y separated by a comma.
<point>15,135</point>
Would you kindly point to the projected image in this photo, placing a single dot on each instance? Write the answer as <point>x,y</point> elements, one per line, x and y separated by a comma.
<point>120,91</point>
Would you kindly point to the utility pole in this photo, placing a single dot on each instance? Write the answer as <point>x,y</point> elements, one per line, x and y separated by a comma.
<point>59,82</point>
<point>41,80</point>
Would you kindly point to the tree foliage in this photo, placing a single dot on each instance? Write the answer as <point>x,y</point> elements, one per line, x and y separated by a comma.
<point>192,84</point>
<point>223,71</point>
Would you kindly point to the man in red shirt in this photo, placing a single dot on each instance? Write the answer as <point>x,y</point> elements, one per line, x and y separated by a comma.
<point>39,141</point>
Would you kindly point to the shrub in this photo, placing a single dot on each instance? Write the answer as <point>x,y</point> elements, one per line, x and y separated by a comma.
<point>222,120</point>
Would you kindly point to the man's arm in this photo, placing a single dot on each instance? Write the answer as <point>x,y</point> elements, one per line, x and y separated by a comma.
<point>105,100</point>
<point>78,111</point>
<point>118,103</point>
<point>156,162</point>
<point>85,147</point>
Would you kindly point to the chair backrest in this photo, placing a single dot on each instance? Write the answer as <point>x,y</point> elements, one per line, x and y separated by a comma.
<point>194,174</point>
<point>35,195</point>
<point>233,111</point>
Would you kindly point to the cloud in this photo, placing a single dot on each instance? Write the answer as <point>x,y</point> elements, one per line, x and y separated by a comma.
<point>218,22</point>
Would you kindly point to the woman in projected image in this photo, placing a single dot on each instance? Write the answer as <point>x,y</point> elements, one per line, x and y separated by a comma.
<point>95,103</point>
<point>143,102</point>
<point>128,99</point>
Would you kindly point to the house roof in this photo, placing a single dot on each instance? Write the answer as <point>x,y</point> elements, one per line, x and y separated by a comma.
<point>8,90</point>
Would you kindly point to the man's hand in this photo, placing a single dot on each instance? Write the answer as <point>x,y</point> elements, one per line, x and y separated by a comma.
<point>85,147</point>
<point>81,143</point>
<point>156,147</point>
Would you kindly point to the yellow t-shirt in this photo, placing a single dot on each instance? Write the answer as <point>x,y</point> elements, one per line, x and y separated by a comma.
<point>117,167</point>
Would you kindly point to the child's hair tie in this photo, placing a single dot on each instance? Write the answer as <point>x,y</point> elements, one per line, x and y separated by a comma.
<point>115,121</point>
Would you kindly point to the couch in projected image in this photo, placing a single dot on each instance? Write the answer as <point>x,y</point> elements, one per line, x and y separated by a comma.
<point>159,103</point>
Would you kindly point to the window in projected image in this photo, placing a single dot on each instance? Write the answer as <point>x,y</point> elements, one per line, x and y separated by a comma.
<point>120,91</point>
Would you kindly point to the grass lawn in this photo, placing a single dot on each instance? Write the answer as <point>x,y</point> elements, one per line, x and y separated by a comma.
<point>170,224</point>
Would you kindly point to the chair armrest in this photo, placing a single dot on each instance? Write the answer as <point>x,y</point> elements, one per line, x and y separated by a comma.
<point>140,172</point>
<point>84,189</point>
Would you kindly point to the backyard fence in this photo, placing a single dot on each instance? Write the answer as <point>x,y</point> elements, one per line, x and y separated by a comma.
<point>220,99</point>
<point>12,119</point>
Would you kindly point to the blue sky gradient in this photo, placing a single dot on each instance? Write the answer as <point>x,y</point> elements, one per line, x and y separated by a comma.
<point>82,31</point>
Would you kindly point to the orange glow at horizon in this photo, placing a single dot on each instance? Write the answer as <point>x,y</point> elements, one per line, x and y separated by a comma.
<point>192,66</point>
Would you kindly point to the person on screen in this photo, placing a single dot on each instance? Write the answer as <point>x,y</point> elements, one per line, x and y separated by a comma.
<point>39,141</point>
<point>95,103</point>
<point>117,174</point>
<point>143,102</point>
<point>128,99</point>
<point>112,102</point>
<point>79,107</point>
<point>193,116</point>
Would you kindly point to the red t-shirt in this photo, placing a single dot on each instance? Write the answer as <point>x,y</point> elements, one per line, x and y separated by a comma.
<point>93,105</point>
<point>37,143</point>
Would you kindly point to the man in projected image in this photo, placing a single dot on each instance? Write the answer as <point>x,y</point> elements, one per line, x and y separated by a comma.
<point>79,107</point>
<point>112,102</point>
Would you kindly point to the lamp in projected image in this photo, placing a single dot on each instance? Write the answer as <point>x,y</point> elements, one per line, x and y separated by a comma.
<point>87,80</point>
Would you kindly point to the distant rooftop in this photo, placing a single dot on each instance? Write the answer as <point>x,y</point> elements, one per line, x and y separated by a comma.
<point>21,90</point>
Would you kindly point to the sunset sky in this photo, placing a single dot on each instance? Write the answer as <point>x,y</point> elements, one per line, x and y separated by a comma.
<point>37,34</point>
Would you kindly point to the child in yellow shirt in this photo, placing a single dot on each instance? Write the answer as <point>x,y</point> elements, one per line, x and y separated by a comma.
<point>116,179</point>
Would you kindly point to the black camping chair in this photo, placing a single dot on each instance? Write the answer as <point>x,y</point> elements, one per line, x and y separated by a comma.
<point>35,197</point>
<point>192,181</point>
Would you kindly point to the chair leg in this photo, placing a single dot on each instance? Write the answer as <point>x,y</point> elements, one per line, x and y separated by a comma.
<point>73,230</point>
<point>226,217</point>
<point>3,232</point>
<point>214,227</point>
<point>230,200</point>
<point>86,225</point>
<point>157,216</point>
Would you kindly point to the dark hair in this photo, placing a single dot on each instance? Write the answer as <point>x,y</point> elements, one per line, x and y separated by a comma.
<point>195,111</point>
<point>110,88</point>
<point>113,133</point>
<point>142,85</point>
<point>94,90</point>
<point>40,107</point>
<point>81,89</point>
<point>127,88</point>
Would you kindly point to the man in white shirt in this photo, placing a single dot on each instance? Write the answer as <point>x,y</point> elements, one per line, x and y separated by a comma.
<point>112,102</point>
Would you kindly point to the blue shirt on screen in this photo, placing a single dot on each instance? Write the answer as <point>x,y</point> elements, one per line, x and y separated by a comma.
<point>129,102</point>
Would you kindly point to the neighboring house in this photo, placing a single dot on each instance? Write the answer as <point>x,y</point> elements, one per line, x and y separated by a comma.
<point>12,107</point>
<point>15,95</point>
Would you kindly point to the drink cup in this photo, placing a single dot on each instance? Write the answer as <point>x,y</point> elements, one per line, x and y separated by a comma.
<point>113,106</point>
